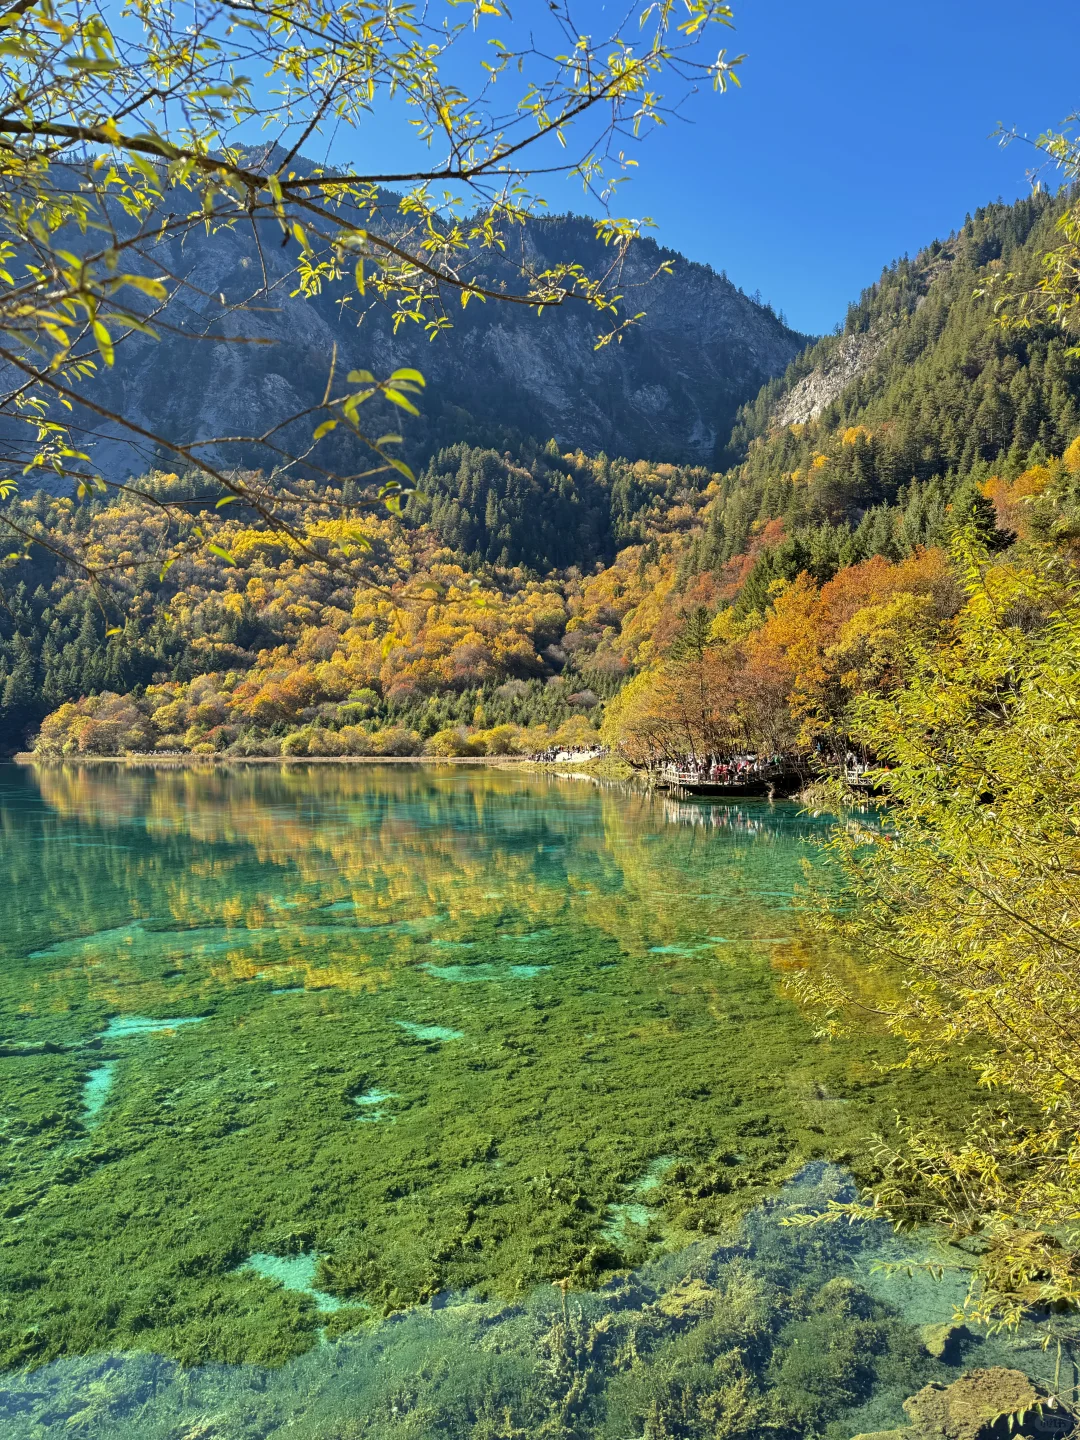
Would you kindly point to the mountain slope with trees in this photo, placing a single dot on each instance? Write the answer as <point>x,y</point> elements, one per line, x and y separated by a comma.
<point>941,399</point>
<point>945,420</point>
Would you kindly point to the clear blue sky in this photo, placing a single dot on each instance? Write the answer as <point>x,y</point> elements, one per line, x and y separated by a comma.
<point>859,134</point>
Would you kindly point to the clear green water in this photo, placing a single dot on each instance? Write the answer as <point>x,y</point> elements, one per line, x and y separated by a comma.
<point>460,1035</point>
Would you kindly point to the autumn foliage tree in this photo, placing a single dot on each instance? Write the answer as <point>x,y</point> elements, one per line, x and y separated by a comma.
<point>121,135</point>
<point>784,681</point>
<point>960,900</point>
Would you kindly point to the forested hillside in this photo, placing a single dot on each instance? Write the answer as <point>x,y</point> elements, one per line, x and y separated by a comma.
<point>385,649</point>
<point>523,585</point>
<point>872,434</point>
<point>543,510</point>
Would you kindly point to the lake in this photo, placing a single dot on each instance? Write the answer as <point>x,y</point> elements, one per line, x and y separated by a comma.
<point>410,1101</point>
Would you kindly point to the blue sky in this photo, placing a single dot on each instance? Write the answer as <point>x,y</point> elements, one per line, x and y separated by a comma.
<point>860,134</point>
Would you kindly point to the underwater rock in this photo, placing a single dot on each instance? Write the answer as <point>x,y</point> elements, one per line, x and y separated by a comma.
<point>984,1405</point>
<point>942,1341</point>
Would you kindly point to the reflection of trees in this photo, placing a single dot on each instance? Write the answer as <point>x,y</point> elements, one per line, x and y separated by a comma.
<point>233,873</point>
<point>727,866</point>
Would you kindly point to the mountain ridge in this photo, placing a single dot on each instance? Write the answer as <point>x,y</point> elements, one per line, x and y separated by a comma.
<point>669,390</point>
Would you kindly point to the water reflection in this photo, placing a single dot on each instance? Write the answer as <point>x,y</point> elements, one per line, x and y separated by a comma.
<point>214,874</point>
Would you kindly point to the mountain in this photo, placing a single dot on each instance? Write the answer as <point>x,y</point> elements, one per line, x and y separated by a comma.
<point>670,390</point>
<point>518,592</point>
<point>870,436</point>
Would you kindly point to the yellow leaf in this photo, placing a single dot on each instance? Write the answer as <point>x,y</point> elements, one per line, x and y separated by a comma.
<point>153,288</point>
<point>104,342</point>
<point>396,398</point>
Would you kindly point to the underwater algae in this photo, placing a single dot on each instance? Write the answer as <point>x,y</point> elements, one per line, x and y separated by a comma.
<point>623,1077</point>
<point>771,1332</point>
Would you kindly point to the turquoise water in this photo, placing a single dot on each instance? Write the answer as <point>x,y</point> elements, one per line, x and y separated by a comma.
<point>122,1027</point>
<point>96,1089</point>
<point>404,1102</point>
<point>293,1272</point>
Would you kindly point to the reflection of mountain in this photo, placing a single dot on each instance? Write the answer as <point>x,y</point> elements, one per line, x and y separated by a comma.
<point>446,1020</point>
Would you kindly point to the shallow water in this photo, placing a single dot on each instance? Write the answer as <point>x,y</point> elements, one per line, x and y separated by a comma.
<point>315,1081</point>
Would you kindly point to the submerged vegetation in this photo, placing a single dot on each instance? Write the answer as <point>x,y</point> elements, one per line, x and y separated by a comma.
<point>764,1332</point>
<point>437,1032</point>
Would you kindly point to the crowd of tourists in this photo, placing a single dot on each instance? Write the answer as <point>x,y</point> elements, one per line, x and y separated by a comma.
<point>726,770</point>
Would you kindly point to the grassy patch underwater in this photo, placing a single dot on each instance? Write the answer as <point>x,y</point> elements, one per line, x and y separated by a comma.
<point>459,1033</point>
<point>771,1332</point>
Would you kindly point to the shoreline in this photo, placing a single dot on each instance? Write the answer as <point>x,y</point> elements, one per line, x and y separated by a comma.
<point>150,761</point>
<point>605,768</point>
<point>25,757</point>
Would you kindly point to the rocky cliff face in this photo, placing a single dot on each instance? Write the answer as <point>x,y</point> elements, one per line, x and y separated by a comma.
<point>851,357</point>
<point>669,391</point>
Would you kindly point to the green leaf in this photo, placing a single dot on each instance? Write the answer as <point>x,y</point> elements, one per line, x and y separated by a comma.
<point>412,376</point>
<point>166,568</point>
<point>361,377</point>
<point>226,500</point>
<point>221,553</point>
